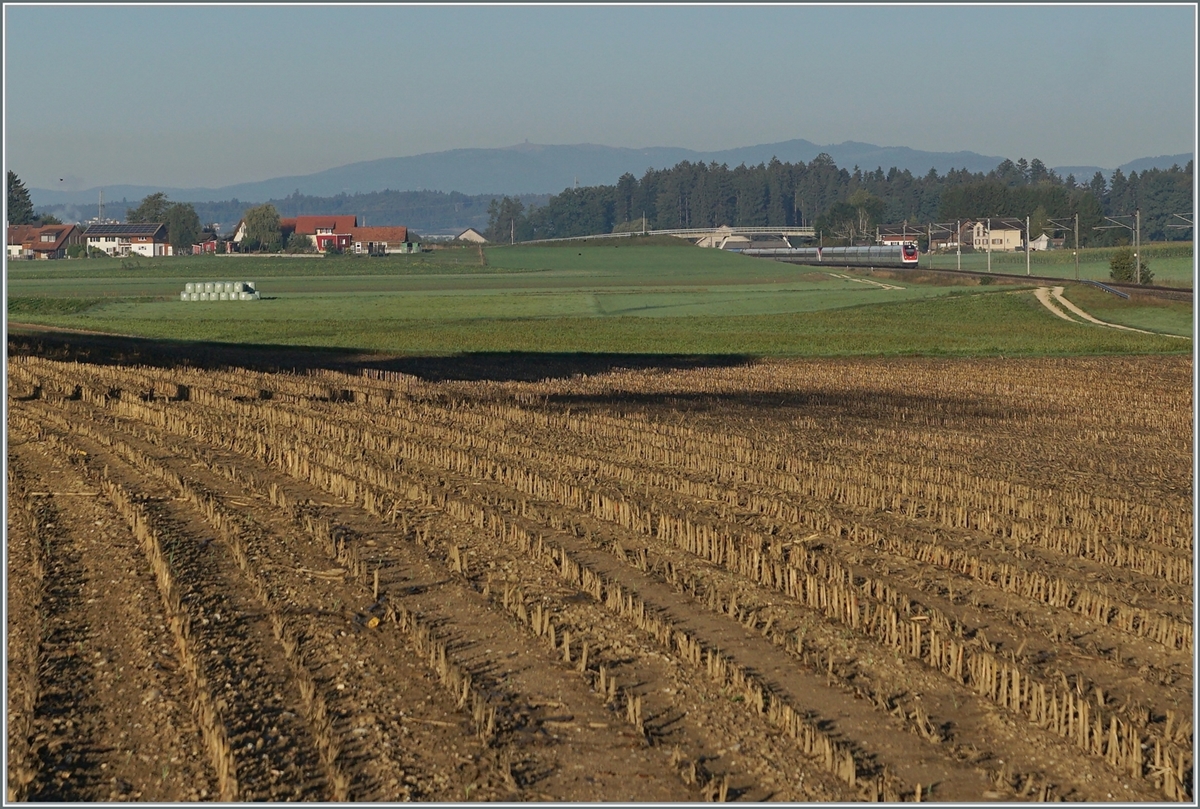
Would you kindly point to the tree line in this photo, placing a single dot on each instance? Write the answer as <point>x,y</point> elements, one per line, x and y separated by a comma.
<point>847,205</point>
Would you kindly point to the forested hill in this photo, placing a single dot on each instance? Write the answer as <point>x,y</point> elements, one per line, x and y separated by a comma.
<point>842,203</point>
<point>425,212</point>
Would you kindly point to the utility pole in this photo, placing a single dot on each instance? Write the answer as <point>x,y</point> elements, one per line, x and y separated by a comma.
<point>929,246</point>
<point>1027,234</point>
<point>1135,234</point>
<point>512,231</point>
<point>1077,245</point>
<point>1137,244</point>
<point>958,242</point>
<point>989,240</point>
<point>1060,224</point>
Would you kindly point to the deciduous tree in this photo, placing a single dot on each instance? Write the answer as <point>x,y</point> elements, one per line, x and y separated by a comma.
<point>183,225</point>
<point>262,227</point>
<point>152,209</point>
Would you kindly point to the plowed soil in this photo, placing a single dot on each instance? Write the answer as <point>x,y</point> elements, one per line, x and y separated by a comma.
<point>781,581</point>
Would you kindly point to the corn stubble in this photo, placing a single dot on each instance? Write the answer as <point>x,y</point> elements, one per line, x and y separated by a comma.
<point>891,501</point>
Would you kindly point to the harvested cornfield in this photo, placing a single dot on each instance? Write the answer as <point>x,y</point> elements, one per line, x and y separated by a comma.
<point>900,580</point>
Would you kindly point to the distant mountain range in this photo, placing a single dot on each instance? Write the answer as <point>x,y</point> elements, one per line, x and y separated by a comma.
<point>538,169</point>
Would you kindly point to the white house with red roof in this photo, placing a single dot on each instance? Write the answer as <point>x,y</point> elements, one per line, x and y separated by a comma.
<point>44,241</point>
<point>382,240</point>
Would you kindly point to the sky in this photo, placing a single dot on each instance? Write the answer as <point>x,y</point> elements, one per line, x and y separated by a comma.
<point>211,95</point>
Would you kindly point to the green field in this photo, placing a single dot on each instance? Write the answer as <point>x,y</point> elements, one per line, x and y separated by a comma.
<point>1173,264</point>
<point>626,298</point>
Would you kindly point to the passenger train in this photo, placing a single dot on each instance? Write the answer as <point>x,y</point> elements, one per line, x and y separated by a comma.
<point>873,256</point>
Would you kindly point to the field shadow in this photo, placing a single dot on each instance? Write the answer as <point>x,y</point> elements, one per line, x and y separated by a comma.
<point>495,366</point>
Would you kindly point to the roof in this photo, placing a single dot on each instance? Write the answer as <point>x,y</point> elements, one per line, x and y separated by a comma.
<point>471,234</point>
<point>309,225</point>
<point>31,236</point>
<point>126,229</point>
<point>17,234</point>
<point>392,235</point>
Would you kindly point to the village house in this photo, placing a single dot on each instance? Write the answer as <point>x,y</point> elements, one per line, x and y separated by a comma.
<point>998,236</point>
<point>206,247</point>
<point>947,239</point>
<point>382,241</point>
<point>42,242</point>
<point>323,231</point>
<point>898,235</point>
<point>144,239</point>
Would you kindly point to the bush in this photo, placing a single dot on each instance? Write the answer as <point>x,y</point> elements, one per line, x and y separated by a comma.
<point>1121,268</point>
<point>76,250</point>
<point>299,243</point>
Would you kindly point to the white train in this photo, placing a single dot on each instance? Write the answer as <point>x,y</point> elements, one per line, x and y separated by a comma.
<point>873,256</point>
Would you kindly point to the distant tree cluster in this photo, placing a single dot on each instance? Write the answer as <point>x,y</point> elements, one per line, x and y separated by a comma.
<point>849,204</point>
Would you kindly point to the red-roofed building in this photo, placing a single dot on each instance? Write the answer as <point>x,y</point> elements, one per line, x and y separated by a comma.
<point>46,241</point>
<point>325,231</point>
<point>383,240</point>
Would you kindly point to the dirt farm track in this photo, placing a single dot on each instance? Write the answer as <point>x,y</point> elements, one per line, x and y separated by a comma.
<point>834,580</point>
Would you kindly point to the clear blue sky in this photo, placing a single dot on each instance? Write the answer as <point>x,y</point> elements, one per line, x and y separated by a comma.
<point>211,95</point>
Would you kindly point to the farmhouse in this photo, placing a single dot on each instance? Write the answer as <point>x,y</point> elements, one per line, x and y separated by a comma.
<point>324,231</point>
<point>382,241</point>
<point>145,239</point>
<point>898,235</point>
<point>947,239</point>
<point>1003,238</point>
<point>44,242</point>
